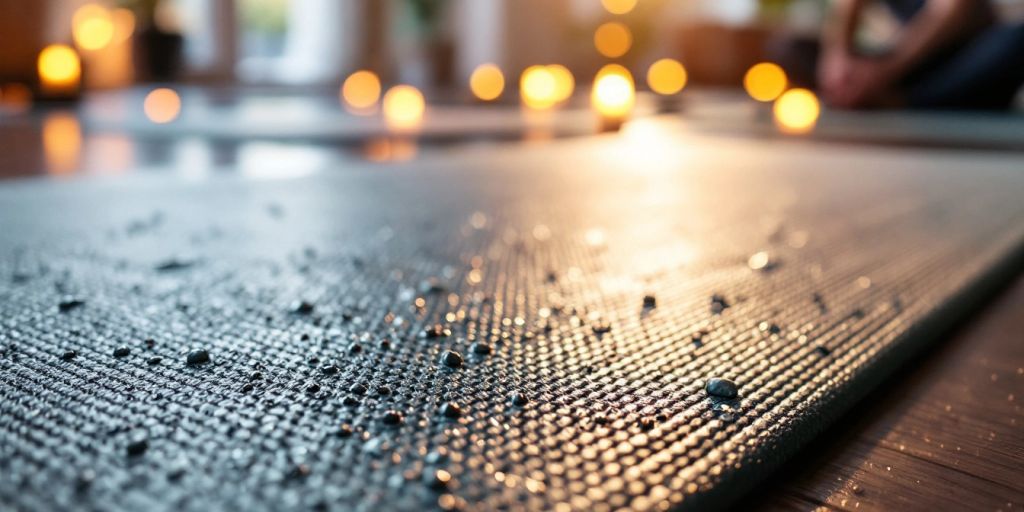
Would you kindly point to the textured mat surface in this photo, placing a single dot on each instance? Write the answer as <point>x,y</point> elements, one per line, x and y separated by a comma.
<point>493,328</point>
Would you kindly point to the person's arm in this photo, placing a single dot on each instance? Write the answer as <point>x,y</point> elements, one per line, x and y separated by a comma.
<point>842,26</point>
<point>852,81</point>
<point>835,61</point>
<point>939,23</point>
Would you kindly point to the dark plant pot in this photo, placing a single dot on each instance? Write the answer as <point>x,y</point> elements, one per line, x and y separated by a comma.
<point>158,55</point>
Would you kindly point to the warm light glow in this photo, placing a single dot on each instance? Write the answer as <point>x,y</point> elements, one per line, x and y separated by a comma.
<point>618,6</point>
<point>59,66</point>
<point>62,142</point>
<point>666,76</point>
<point>92,27</point>
<point>797,111</point>
<point>487,82</point>
<point>390,149</point>
<point>360,92</point>
<point>404,107</point>
<point>162,105</point>
<point>613,95</point>
<point>613,39</point>
<point>538,87</point>
<point>124,24</point>
<point>765,81</point>
<point>564,81</point>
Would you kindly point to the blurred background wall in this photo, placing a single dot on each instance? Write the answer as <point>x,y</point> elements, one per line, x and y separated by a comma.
<point>430,43</point>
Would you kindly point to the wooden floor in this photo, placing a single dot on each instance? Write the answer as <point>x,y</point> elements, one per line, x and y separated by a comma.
<point>948,434</point>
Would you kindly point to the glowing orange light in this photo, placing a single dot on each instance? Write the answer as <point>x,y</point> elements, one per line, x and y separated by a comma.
<point>487,82</point>
<point>62,142</point>
<point>564,81</point>
<point>404,107</point>
<point>619,6</point>
<point>538,87</point>
<point>613,39</point>
<point>390,149</point>
<point>124,24</point>
<point>59,67</point>
<point>797,111</point>
<point>666,76</point>
<point>765,81</point>
<point>613,95</point>
<point>162,105</point>
<point>360,92</point>
<point>92,27</point>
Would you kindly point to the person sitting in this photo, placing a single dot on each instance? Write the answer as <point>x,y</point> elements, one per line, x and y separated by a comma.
<point>948,54</point>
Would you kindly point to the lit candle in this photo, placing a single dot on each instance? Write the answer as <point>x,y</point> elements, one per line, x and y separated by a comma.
<point>666,78</point>
<point>613,96</point>
<point>487,82</point>
<point>360,92</point>
<point>764,82</point>
<point>60,72</point>
<point>796,111</point>
<point>162,105</point>
<point>404,107</point>
<point>538,88</point>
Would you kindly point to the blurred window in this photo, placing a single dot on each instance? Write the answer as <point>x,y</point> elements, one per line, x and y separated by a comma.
<point>265,41</point>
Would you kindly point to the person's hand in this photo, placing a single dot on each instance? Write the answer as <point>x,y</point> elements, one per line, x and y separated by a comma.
<point>862,83</point>
<point>834,69</point>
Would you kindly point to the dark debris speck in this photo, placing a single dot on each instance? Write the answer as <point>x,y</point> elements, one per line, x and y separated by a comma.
<point>302,308</point>
<point>67,304</point>
<point>392,417</point>
<point>197,357</point>
<point>721,388</point>
<point>451,359</point>
<point>137,447</point>
<point>451,410</point>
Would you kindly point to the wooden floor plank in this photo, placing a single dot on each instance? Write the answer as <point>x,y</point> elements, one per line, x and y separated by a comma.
<point>948,434</point>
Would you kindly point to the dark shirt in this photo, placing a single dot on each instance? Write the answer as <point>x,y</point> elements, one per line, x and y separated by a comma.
<point>905,9</point>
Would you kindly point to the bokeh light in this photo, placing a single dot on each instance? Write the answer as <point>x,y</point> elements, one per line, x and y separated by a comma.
<point>797,111</point>
<point>666,76</point>
<point>92,27</point>
<point>404,107</point>
<point>487,82</point>
<point>618,6</point>
<point>162,105</point>
<point>614,93</point>
<point>62,142</point>
<point>538,87</point>
<point>124,24</point>
<point>564,81</point>
<point>59,66</point>
<point>390,149</point>
<point>613,39</point>
<point>360,92</point>
<point>765,81</point>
